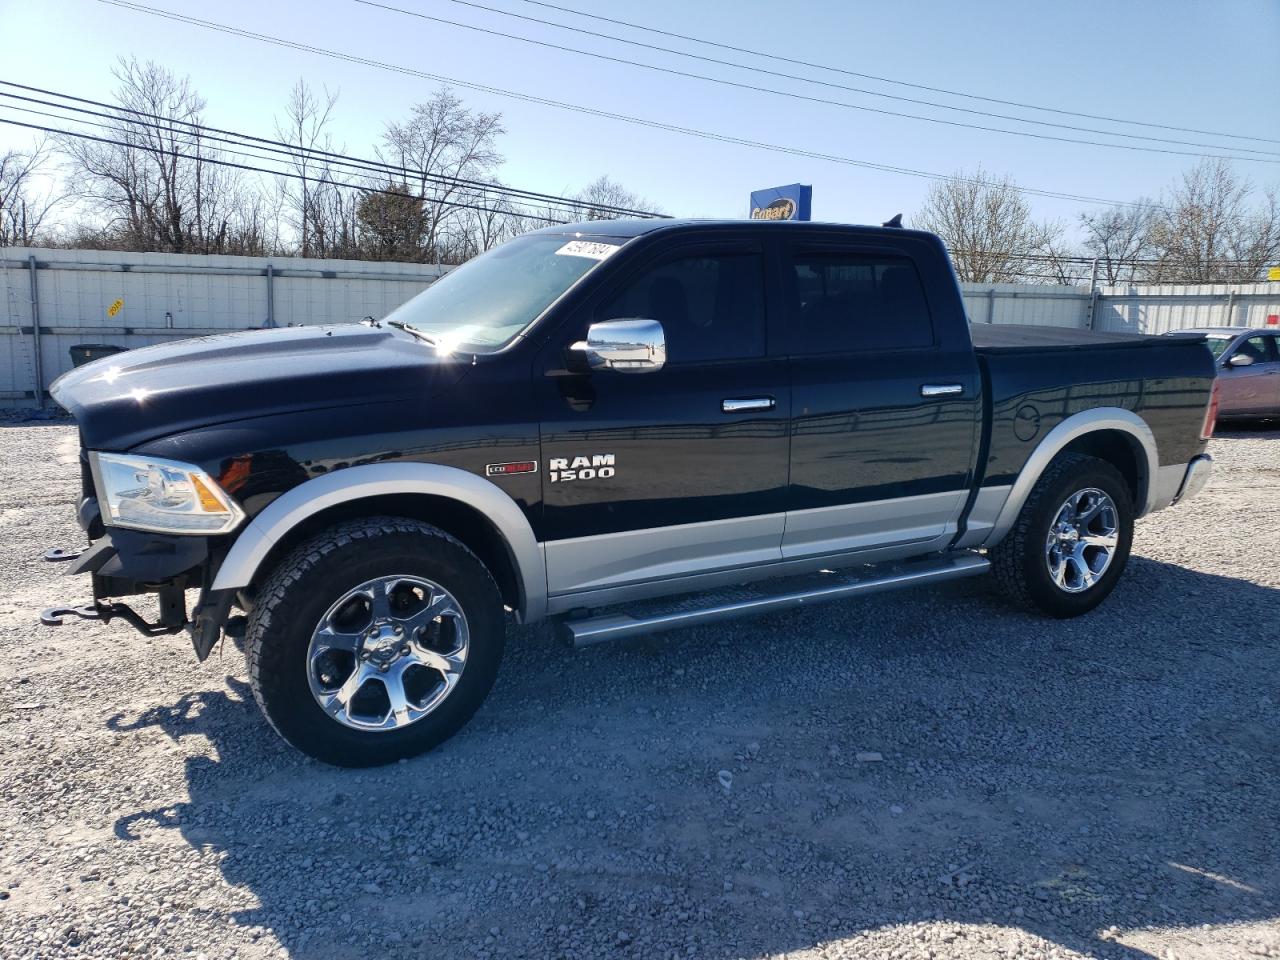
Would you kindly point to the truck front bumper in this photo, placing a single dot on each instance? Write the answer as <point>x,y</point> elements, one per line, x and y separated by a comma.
<point>124,563</point>
<point>139,558</point>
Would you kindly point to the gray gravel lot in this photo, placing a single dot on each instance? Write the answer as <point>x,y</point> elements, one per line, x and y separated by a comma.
<point>1103,787</point>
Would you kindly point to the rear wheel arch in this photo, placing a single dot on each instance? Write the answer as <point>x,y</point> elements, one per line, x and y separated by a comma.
<point>1109,433</point>
<point>467,507</point>
<point>1120,449</point>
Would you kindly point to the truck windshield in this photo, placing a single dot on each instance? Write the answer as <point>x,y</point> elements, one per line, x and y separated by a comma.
<point>484,304</point>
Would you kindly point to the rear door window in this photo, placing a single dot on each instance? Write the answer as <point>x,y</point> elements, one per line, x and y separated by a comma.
<point>847,302</point>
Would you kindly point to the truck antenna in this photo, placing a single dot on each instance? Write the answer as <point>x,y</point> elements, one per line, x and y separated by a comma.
<point>895,222</point>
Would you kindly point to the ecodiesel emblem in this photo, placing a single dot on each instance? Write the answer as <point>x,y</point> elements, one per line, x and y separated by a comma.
<point>596,467</point>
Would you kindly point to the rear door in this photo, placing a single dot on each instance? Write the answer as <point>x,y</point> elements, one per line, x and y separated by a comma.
<point>657,475</point>
<point>886,399</point>
<point>1252,390</point>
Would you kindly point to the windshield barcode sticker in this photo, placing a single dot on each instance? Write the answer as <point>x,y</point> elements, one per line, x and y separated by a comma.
<point>588,249</point>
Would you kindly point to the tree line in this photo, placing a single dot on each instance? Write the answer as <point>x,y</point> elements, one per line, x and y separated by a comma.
<point>154,177</point>
<point>1209,226</point>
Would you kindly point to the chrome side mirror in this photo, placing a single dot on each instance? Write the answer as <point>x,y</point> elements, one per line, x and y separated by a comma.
<point>1240,360</point>
<point>628,346</point>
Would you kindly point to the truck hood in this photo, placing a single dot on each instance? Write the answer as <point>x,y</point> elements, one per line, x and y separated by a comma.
<point>141,395</point>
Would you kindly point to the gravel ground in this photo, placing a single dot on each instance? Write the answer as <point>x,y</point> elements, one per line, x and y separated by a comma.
<point>923,774</point>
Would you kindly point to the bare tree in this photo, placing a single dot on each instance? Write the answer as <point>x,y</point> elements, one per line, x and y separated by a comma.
<point>1207,229</point>
<point>988,227</point>
<point>488,223</point>
<point>1119,236</point>
<point>442,144</point>
<point>602,194</point>
<point>308,196</point>
<point>24,210</point>
<point>156,186</point>
<point>1055,262</point>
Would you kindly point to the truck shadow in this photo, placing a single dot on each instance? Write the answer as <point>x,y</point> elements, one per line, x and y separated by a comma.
<point>1061,779</point>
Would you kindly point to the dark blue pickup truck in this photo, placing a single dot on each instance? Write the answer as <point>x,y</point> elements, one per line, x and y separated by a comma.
<point>624,426</point>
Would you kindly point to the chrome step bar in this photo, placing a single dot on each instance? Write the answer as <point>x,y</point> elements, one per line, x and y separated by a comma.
<point>768,596</point>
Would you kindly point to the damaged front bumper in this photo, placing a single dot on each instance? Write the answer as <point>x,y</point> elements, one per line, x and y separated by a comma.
<point>125,563</point>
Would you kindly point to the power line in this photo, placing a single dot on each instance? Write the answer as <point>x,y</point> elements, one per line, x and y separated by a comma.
<point>589,111</point>
<point>292,153</point>
<point>787,76</point>
<point>900,83</point>
<point>290,149</point>
<point>193,142</point>
<point>790,95</point>
<point>198,135</point>
<point>279,173</point>
<point>1073,259</point>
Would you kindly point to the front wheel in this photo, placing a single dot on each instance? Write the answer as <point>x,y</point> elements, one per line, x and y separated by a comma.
<point>1071,540</point>
<point>374,641</point>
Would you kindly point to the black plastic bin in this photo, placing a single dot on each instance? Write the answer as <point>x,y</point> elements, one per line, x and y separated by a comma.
<point>83,353</point>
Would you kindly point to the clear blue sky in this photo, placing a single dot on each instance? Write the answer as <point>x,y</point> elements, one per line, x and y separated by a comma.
<point>1212,66</point>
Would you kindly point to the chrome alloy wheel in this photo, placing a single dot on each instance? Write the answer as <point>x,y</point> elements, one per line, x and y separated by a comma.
<point>387,653</point>
<point>1082,540</point>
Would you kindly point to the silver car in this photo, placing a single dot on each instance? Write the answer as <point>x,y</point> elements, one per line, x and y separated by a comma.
<point>1248,369</point>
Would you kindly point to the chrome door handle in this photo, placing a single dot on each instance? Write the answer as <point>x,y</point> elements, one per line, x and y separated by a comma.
<point>941,389</point>
<point>748,404</point>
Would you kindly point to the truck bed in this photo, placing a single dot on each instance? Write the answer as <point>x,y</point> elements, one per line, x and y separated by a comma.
<point>1020,338</point>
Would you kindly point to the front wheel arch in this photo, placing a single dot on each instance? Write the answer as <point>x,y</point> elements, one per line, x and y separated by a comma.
<point>461,521</point>
<point>477,506</point>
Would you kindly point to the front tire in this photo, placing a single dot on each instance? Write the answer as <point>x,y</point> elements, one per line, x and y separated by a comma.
<point>1071,541</point>
<point>374,641</point>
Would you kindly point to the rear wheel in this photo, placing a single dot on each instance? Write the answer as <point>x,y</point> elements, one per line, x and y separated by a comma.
<point>1071,540</point>
<point>374,641</point>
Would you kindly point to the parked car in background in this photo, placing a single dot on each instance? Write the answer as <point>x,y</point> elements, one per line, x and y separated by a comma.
<point>1248,363</point>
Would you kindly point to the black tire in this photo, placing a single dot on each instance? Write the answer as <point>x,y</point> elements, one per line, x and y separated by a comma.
<point>1019,562</point>
<point>300,590</point>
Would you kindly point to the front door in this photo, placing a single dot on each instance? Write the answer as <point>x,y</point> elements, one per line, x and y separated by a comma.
<point>1252,390</point>
<point>886,401</point>
<point>657,475</point>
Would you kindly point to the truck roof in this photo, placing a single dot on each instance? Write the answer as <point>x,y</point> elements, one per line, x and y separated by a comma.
<point>635,228</point>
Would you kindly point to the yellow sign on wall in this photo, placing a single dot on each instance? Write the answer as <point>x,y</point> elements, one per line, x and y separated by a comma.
<point>1273,273</point>
<point>115,308</point>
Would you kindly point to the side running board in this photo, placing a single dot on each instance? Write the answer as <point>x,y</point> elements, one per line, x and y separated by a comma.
<point>769,595</point>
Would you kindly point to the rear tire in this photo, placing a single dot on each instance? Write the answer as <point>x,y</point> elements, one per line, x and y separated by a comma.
<point>1071,541</point>
<point>379,616</point>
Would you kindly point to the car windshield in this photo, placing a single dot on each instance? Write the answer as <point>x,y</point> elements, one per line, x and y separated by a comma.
<point>487,302</point>
<point>1218,344</point>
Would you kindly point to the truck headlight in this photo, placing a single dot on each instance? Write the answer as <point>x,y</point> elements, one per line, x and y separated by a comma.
<point>163,496</point>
